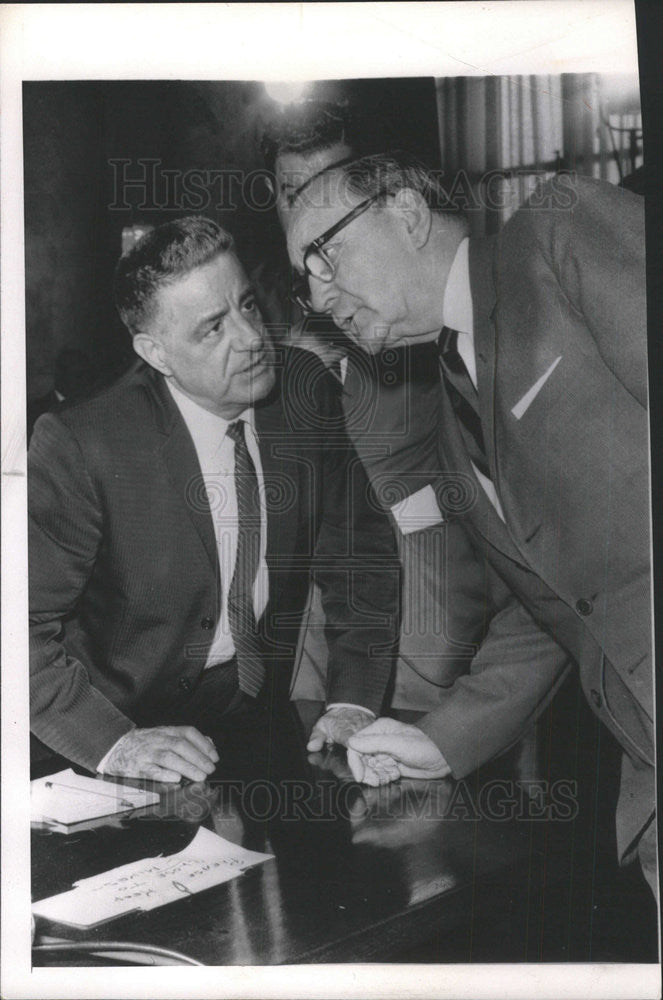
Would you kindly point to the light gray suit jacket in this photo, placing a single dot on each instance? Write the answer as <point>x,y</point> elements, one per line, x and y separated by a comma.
<point>560,341</point>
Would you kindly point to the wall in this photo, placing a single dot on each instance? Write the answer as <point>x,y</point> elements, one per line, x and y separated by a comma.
<point>77,202</point>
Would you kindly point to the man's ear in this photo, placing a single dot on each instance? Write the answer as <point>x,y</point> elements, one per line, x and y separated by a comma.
<point>416,214</point>
<point>152,350</point>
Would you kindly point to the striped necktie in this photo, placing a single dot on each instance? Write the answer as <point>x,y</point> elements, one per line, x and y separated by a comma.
<point>241,615</point>
<point>464,398</point>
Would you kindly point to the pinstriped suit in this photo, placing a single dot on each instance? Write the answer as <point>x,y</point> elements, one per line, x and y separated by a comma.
<point>124,569</point>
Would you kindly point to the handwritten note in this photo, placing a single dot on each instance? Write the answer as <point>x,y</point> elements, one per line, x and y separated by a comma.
<point>68,797</point>
<point>208,860</point>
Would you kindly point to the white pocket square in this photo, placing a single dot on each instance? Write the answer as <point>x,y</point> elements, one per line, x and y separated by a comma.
<point>523,404</point>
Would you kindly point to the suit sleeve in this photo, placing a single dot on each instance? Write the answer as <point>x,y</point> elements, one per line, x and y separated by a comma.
<point>512,679</point>
<point>65,519</point>
<point>392,415</point>
<point>356,566</point>
<point>595,243</point>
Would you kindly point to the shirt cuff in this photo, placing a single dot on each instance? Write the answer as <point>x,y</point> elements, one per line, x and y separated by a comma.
<point>349,704</point>
<point>101,766</point>
<point>418,511</point>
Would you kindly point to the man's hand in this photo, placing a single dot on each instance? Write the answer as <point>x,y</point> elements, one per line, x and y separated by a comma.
<point>337,725</point>
<point>166,753</point>
<point>387,750</point>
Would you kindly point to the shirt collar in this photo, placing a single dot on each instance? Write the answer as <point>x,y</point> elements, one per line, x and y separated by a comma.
<point>204,426</point>
<point>458,313</point>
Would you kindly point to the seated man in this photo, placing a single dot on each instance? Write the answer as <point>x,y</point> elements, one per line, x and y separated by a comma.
<point>174,520</point>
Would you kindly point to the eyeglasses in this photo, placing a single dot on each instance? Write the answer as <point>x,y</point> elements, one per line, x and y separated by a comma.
<point>317,263</point>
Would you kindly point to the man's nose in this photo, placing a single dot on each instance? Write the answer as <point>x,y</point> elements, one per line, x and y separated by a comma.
<point>248,334</point>
<point>321,293</point>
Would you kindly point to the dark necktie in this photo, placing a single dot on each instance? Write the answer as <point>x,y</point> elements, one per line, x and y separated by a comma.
<point>464,398</point>
<point>241,616</point>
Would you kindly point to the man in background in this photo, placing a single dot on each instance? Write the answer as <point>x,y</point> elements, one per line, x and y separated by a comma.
<point>75,377</point>
<point>305,138</point>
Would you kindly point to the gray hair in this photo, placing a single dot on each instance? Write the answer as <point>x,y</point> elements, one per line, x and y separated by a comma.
<point>388,173</point>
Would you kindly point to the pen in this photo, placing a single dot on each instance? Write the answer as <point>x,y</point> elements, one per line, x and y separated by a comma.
<point>82,791</point>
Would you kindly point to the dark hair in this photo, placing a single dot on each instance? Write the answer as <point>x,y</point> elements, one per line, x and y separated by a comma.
<point>160,257</point>
<point>307,128</point>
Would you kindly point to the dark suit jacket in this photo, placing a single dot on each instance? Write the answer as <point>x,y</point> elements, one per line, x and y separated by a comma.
<point>392,408</point>
<point>124,591</point>
<point>560,343</point>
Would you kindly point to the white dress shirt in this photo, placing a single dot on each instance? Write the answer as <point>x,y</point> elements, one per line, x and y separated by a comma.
<point>216,456</point>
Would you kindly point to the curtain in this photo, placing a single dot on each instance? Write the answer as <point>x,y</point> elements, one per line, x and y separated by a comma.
<point>500,135</point>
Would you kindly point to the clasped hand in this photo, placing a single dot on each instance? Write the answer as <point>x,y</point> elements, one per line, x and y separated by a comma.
<point>387,750</point>
<point>337,725</point>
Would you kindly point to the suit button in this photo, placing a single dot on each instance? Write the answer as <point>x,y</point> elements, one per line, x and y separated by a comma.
<point>584,607</point>
<point>207,623</point>
<point>184,684</point>
<point>596,698</point>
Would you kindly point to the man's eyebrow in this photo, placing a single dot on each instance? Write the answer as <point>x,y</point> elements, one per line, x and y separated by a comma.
<point>211,318</point>
<point>248,293</point>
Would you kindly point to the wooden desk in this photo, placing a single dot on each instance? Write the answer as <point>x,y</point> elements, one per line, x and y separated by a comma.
<point>413,871</point>
<point>359,874</point>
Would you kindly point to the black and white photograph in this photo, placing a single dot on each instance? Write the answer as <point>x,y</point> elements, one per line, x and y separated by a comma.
<point>327,489</point>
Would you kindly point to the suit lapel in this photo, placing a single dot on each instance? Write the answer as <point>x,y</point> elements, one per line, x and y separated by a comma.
<point>280,475</point>
<point>460,484</point>
<point>484,296</point>
<point>504,433</point>
<point>482,287</point>
<point>179,455</point>
<point>279,471</point>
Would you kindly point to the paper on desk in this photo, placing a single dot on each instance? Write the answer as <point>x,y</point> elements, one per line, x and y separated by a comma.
<point>208,860</point>
<point>68,797</point>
